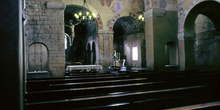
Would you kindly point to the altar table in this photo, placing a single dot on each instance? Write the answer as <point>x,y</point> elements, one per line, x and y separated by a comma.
<point>83,67</point>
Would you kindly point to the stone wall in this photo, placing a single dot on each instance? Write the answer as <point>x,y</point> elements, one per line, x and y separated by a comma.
<point>205,44</point>
<point>45,25</point>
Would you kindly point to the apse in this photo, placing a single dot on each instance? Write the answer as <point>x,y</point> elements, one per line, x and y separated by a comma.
<point>129,41</point>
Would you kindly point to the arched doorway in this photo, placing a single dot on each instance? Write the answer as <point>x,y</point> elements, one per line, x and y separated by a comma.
<point>38,57</point>
<point>206,52</point>
<point>88,54</point>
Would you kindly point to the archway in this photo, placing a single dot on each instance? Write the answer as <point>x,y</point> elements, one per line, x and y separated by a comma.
<point>129,41</point>
<point>208,9</point>
<point>83,33</point>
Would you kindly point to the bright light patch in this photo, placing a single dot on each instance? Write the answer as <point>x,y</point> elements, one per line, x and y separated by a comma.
<point>118,104</point>
<point>65,42</point>
<point>134,53</point>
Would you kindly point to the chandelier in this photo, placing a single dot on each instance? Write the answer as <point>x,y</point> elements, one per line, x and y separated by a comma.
<point>84,15</point>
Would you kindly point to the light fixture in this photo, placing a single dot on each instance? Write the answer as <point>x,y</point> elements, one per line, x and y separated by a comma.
<point>84,15</point>
<point>141,18</point>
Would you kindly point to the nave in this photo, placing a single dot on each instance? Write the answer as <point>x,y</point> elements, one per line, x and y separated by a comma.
<point>142,91</point>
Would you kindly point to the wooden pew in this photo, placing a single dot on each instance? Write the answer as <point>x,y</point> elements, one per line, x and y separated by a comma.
<point>86,91</point>
<point>33,85</point>
<point>103,95</point>
<point>95,101</point>
<point>76,75</point>
<point>96,83</point>
<point>72,92</point>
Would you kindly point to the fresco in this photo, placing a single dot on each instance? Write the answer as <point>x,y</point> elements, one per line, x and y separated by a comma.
<point>137,5</point>
<point>106,2</point>
<point>99,21</point>
<point>116,7</point>
<point>124,8</point>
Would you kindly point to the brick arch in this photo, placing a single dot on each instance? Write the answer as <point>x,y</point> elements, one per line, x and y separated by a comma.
<point>112,21</point>
<point>210,12</point>
<point>184,13</point>
<point>187,32</point>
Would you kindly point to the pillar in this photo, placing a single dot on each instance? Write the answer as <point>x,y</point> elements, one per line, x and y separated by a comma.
<point>161,26</point>
<point>105,47</point>
<point>12,60</point>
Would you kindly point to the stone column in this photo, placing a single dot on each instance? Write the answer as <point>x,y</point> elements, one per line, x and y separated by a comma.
<point>105,45</point>
<point>189,53</point>
<point>160,28</point>
<point>181,51</point>
<point>186,50</point>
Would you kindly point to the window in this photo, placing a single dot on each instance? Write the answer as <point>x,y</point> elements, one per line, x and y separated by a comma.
<point>134,53</point>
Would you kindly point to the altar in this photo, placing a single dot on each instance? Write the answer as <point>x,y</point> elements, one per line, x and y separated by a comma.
<point>83,67</point>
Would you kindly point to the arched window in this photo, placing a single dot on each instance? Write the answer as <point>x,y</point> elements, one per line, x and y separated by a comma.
<point>93,53</point>
<point>88,54</point>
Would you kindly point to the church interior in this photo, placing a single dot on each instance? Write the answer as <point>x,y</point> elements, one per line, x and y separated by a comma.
<point>110,54</point>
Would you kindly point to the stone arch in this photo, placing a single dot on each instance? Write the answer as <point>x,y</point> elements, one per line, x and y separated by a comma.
<point>91,8</point>
<point>38,57</point>
<point>129,41</point>
<point>125,25</point>
<point>210,11</point>
<point>184,13</point>
<point>207,8</point>
<point>118,16</point>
